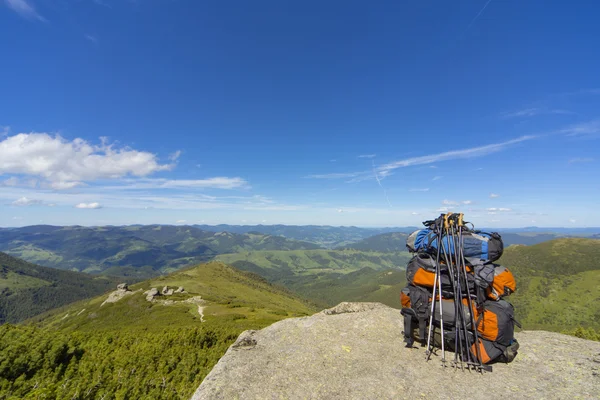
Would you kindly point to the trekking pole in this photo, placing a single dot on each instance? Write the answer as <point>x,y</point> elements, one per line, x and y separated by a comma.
<point>458,315</point>
<point>479,365</point>
<point>441,244</point>
<point>431,314</point>
<point>430,328</point>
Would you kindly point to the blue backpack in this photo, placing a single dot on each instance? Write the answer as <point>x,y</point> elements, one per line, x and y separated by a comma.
<point>478,245</point>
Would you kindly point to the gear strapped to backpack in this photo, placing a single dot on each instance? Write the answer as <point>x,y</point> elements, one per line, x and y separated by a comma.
<point>455,287</point>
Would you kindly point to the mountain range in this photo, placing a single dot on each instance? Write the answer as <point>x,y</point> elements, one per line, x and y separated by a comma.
<point>132,251</point>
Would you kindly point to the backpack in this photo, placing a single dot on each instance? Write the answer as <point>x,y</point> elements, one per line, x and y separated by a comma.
<point>497,322</point>
<point>420,271</point>
<point>503,284</point>
<point>416,308</point>
<point>490,352</point>
<point>480,245</point>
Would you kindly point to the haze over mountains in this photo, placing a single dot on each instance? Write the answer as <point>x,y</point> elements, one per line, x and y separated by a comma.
<point>141,251</point>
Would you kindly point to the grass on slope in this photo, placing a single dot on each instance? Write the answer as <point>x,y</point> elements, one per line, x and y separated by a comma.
<point>27,289</point>
<point>558,284</point>
<point>139,349</point>
<point>329,276</point>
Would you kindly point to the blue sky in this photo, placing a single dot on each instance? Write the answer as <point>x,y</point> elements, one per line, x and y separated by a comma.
<point>338,112</point>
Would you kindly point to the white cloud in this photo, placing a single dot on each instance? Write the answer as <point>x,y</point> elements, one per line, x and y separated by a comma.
<point>175,156</point>
<point>455,154</point>
<point>449,203</point>
<point>387,169</point>
<point>467,202</point>
<point>92,38</point>
<point>572,220</point>
<point>414,213</point>
<point>66,164</point>
<point>88,205</point>
<point>181,221</point>
<point>444,209</point>
<point>503,209</point>
<point>335,175</point>
<point>12,181</point>
<point>531,112</point>
<point>581,160</point>
<point>219,182</point>
<point>437,178</point>
<point>24,201</point>
<point>367,156</point>
<point>494,195</point>
<point>24,9</point>
<point>585,129</point>
<point>419,190</point>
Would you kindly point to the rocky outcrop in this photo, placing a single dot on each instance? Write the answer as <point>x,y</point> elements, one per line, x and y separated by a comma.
<point>355,351</point>
<point>166,291</point>
<point>122,291</point>
<point>151,294</point>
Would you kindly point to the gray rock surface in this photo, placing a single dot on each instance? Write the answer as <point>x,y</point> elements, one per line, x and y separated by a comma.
<point>122,291</point>
<point>355,351</point>
<point>151,294</point>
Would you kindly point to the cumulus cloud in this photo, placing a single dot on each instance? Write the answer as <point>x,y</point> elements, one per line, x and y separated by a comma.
<point>449,203</point>
<point>65,164</point>
<point>24,201</point>
<point>175,156</point>
<point>92,206</point>
<point>494,195</point>
<point>498,209</point>
<point>467,202</point>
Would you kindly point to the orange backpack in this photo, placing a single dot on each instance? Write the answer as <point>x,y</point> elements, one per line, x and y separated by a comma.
<point>504,283</point>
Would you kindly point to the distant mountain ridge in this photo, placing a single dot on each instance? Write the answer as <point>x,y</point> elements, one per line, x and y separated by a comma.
<point>326,236</point>
<point>138,251</point>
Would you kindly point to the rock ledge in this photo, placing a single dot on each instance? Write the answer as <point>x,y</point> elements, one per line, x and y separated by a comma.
<point>355,351</point>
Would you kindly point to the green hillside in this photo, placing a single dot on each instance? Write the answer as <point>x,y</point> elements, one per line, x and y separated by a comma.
<point>131,251</point>
<point>135,348</point>
<point>326,236</point>
<point>386,242</point>
<point>27,289</point>
<point>329,276</point>
<point>558,284</point>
